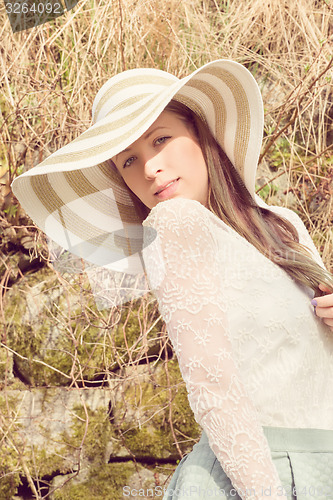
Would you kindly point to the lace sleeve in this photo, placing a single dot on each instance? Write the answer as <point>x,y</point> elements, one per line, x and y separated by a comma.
<point>183,269</point>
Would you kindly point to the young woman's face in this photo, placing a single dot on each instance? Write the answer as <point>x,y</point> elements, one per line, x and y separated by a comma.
<point>167,153</point>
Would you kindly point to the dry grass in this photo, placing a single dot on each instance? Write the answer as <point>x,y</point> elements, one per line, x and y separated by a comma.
<point>51,74</point>
<point>49,77</point>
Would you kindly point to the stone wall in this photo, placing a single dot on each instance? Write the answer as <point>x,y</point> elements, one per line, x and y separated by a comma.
<point>92,404</point>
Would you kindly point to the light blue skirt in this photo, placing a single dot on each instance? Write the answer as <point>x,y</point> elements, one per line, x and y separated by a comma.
<point>303,459</point>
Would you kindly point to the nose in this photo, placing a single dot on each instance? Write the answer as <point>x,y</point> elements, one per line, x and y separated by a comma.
<point>152,165</point>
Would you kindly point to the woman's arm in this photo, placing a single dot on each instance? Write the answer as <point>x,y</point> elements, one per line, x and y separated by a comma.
<point>184,266</point>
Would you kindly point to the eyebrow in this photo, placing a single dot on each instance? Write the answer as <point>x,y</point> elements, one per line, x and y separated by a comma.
<point>145,137</point>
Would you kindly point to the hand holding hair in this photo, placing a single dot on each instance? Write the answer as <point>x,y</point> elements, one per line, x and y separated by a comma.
<point>324,306</point>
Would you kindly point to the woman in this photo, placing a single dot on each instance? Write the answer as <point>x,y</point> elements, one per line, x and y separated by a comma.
<point>234,278</point>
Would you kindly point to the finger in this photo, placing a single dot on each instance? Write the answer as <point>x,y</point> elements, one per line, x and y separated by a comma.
<point>328,322</point>
<point>324,288</point>
<point>324,312</point>
<point>325,301</point>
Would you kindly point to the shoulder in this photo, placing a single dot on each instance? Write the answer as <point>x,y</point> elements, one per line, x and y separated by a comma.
<point>283,212</point>
<point>290,216</point>
<point>181,213</point>
<point>180,225</point>
<point>180,239</point>
<point>304,236</point>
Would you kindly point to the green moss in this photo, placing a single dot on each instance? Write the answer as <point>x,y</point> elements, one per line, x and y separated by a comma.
<point>94,436</point>
<point>53,334</point>
<point>267,191</point>
<point>155,438</point>
<point>64,329</point>
<point>129,341</point>
<point>6,365</point>
<point>10,443</point>
<point>147,442</point>
<point>89,436</point>
<point>9,481</point>
<point>27,331</point>
<point>44,464</point>
<point>9,472</point>
<point>14,450</point>
<point>182,415</point>
<point>105,482</point>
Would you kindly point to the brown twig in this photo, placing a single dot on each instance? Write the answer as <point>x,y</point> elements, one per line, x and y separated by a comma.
<point>170,404</point>
<point>277,133</point>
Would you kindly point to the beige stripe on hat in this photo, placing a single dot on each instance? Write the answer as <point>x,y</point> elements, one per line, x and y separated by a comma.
<point>63,192</point>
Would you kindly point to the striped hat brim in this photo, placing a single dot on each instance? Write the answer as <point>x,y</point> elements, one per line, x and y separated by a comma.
<point>82,204</point>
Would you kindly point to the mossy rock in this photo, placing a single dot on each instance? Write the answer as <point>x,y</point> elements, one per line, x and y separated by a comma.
<point>91,431</point>
<point>49,432</point>
<point>131,343</point>
<point>9,471</point>
<point>6,366</point>
<point>59,334</point>
<point>58,428</point>
<point>10,441</point>
<point>114,481</point>
<point>142,414</point>
<point>9,480</point>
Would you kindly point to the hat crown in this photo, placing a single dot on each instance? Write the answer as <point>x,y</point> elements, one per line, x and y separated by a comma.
<point>129,87</point>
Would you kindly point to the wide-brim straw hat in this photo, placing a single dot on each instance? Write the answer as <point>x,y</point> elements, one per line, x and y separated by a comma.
<point>82,203</point>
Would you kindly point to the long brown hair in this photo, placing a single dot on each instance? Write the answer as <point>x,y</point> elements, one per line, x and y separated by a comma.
<point>229,199</point>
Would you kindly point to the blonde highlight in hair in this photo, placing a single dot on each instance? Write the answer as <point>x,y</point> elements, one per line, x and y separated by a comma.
<point>229,199</point>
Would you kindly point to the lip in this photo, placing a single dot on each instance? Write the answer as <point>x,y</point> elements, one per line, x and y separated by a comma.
<point>168,191</point>
<point>163,186</point>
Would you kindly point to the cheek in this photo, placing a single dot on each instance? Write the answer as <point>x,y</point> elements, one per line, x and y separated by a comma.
<point>135,183</point>
<point>117,172</point>
<point>129,177</point>
<point>188,153</point>
<point>126,179</point>
<point>197,160</point>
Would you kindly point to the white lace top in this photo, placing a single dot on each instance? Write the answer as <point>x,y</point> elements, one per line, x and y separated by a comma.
<point>250,349</point>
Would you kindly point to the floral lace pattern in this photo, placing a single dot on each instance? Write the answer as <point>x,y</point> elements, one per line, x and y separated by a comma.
<point>242,330</point>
